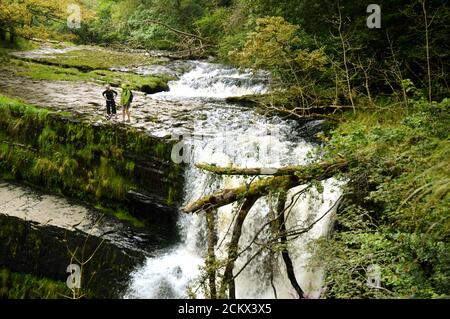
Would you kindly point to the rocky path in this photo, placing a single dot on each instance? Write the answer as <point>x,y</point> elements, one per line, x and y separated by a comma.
<point>154,116</point>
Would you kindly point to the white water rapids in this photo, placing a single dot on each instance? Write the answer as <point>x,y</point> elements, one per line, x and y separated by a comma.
<point>226,135</point>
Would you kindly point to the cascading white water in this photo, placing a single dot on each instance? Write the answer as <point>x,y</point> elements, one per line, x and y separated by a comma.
<point>208,81</point>
<point>228,135</point>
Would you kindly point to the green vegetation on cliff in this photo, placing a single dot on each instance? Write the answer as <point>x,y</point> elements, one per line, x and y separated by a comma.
<point>25,286</point>
<point>395,213</point>
<point>64,155</point>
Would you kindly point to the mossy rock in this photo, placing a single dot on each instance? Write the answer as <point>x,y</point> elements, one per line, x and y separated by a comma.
<point>44,252</point>
<point>153,88</point>
<point>14,285</point>
<point>97,164</point>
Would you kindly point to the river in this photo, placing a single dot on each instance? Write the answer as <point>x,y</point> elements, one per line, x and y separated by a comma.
<point>225,134</point>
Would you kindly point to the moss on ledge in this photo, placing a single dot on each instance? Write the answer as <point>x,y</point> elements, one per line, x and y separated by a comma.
<point>98,164</point>
<point>96,58</point>
<point>58,72</point>
<point>25,286</point>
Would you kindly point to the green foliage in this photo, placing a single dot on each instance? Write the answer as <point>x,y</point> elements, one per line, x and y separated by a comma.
<point>284,50</point>
<point>30,18</point>
<point>276,45</point>
<point>396,211</point>
<point>124,21</point>
<point>412,265</point>
<point>24,286</point>
<point>212,26</point>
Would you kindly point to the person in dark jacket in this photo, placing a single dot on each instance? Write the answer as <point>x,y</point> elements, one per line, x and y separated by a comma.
<point>110,97</point>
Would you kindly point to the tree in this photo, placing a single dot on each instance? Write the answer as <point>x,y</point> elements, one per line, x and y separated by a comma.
<point>30,18</point>
<point>280,47</point>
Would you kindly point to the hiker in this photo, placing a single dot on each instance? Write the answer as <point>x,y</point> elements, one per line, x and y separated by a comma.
<point>110,96</point>
<point>125,101</point>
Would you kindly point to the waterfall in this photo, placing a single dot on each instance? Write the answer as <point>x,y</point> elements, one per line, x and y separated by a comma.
<point>228,134</point>
<point>206,80</point>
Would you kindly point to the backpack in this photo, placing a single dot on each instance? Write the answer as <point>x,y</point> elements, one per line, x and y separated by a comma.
<point>127,97</point>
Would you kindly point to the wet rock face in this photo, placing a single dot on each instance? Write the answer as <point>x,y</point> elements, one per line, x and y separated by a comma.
<point>32,205</point>
<point>309,130</point>
<point>92,162</point>
<point>46,251</point>
<point>161,214</point>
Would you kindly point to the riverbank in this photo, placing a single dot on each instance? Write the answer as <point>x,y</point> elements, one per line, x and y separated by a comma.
<point>66,62</point>
<point>393,223</point>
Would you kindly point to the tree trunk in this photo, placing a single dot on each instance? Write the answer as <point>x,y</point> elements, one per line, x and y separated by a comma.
<point>299,176</point>
<point>283,240</point>
<point>2,34</point>
<point>233,247</point>
<point>211,258</point>
<point>12,37</point>
<point>344,54</point>
<point>282,171</point>
<point>427,48</point>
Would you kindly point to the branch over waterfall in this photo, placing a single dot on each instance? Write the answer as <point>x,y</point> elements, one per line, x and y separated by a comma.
<point>282,179</point>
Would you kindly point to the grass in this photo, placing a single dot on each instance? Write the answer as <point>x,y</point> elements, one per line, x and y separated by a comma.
<point>395,213</point>
<point>25,286</point>
<point>148,84</point>
<point>98,58</point>
<point>9,105</point>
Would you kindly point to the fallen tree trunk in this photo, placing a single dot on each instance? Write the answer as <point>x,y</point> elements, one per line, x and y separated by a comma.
<point>267,171</point>
<point>299,175</point>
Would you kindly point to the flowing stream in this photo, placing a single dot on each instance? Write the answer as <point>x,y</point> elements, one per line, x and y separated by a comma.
<point>225,134</point>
